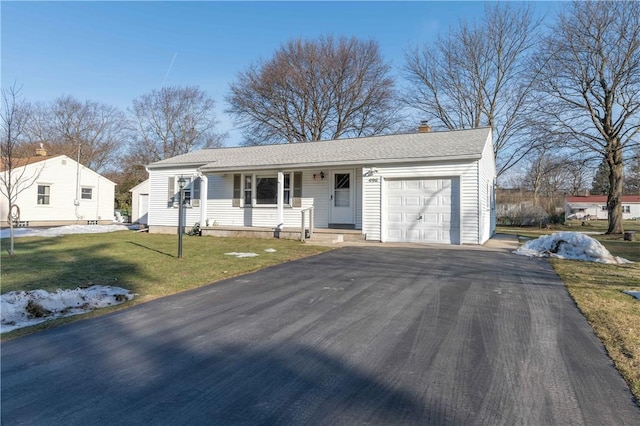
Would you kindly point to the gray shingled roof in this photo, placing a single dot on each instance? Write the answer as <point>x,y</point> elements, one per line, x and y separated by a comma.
<point>375,150</point>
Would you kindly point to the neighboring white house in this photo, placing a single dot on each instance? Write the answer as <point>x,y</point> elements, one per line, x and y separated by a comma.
<point>63,193</point>
<point>595,207</point>
<point>140,203</point>
<point>420,187</point>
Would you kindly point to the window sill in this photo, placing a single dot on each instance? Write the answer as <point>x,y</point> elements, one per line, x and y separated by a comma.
<point>269,206</point>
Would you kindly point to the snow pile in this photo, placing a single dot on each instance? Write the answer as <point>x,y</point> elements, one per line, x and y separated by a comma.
<point>239,255</point>
<point>635,294</point>
<point>62,230</point>
<point>23,308</point>
<point>270,250</point>
<point>569,245</point>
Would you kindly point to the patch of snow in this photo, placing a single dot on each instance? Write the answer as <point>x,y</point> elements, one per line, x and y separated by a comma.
<point>270,250</point>
<point>62,230</point>
<point>239,255</point>
<point>569,245</point>
<point>635,294</point>
<point>23,308</point>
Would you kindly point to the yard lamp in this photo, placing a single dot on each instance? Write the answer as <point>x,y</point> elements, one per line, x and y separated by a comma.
<point>181,183</point>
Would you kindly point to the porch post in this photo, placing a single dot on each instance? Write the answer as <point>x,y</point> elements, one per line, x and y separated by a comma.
<point>280,200</point>
<point>203,200</point>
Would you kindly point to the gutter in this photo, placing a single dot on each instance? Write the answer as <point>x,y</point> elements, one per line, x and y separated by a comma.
<point>207,168</point>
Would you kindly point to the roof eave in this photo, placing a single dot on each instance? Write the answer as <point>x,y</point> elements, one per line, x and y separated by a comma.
<point>207,168</point>
<point>176,165</point>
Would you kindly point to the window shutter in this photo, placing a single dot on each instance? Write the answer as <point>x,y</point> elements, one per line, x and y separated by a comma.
<point>297,190</point>
<point>172,187</point>
<point>195,198</point>
<point>196,189</point>
<point>237,190</point>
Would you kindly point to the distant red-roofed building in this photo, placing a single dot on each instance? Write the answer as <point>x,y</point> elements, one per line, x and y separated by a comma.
<point>595,207</point>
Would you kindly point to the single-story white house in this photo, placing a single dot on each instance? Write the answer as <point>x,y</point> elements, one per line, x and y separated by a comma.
<point>140,203</point>
<point>595,207</point>
<point>61,192</point>
<point>432,187</point>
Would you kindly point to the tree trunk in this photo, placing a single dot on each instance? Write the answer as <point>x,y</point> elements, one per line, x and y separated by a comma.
<point>614,197</point>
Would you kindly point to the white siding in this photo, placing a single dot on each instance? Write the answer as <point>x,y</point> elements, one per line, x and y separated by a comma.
<point>60,174</point>
<point>467,173</point>
<point>315,192</point>
<point>161,213</point>
<point>221,211</point>
<point>371,197</point>
<point>358,198</point>
<point>486,186</point>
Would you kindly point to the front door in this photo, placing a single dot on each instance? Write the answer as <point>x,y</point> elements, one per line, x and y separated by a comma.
<point>342,197</point>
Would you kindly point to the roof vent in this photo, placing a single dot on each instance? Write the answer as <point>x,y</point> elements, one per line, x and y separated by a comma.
<point>41,152</point>
<point>424,127</point>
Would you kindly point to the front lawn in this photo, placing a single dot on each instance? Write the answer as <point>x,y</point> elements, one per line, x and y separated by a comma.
<point>597,290</point>
<point>145,264</point>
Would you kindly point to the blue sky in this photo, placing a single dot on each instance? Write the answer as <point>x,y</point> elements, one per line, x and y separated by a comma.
<point>112,52</point>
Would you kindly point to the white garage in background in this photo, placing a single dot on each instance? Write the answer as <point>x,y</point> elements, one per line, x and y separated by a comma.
<point>425,187</point>
<point>140,203</point>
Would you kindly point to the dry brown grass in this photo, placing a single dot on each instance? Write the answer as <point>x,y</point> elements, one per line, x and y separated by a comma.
<point>614,315</point>
<point>598,291</point>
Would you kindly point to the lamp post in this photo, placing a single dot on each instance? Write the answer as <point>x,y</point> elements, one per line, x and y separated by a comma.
<point>181,183</point>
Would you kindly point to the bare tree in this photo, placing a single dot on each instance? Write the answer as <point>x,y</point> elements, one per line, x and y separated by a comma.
<point>477,75</point>
<point>172,121</point>
<point>590,78</point>
<point>314,90</point>
<point>88,131</point>
<point>14,177</point>
<point>578,172</point>
<point>632,173</point>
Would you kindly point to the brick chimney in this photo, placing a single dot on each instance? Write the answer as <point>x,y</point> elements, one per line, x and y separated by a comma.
<point>41,152</point>
<point>424,127</point>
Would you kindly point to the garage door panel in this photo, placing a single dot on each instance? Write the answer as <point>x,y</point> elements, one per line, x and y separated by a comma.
<point>394,201</point>
<point>395,217</point>
<point>431,218</point>
<point>431,184</point>
<point>412,234</point>
<point>423,210</point>
<point>412,200</point>
<point>411,184</point>
<point>394,184</point>
<point>431,236</point>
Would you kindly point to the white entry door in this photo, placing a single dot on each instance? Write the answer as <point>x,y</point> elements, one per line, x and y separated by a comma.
<point>423,210</point>
<point>342,197</point>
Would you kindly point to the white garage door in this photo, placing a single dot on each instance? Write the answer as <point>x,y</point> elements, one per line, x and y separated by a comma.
<point>423,210</point>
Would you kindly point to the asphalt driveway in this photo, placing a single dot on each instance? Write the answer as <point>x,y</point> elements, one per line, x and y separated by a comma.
<point>357,335</point>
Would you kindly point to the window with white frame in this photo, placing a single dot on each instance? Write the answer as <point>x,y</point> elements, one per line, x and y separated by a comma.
<point>604,208</point>
<point>262,190</point>
<point>190,191</point>
<point>626,209</point>
<point>86,193</point>
<point>266,189</point>
<point>44,194</point>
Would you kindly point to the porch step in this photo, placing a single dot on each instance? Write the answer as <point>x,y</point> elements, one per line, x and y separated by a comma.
<point>336,236</point>
<point>321,235</point>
